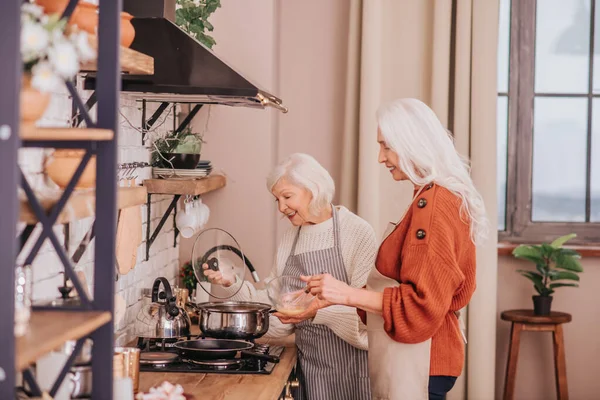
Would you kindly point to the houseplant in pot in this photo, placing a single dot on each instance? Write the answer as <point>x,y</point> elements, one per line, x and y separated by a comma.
<point>179,150</point>
<point>192,16</point>
<point>50,54</point>
<point>555,266</point>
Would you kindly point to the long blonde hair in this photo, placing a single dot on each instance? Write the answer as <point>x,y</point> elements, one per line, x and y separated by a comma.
<point>426,154</point>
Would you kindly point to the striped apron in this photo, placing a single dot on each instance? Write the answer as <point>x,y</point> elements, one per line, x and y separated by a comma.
<point>328,367</point>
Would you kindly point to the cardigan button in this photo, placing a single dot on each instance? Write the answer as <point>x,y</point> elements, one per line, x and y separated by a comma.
<point>421,234</point>
<point>429,186</point>
<point>421,203</point>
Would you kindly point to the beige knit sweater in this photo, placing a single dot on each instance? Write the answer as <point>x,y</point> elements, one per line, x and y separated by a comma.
<point>359,249</point>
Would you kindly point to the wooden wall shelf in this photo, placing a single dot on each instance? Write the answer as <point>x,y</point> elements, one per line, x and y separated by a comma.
<point>192,187</point>
<point>50,329</point>
<point>66,134</point>
<point>82,204</point>
<point>132,62</point>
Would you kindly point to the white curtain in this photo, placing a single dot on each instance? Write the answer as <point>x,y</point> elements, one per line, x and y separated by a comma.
<point>402,48</point>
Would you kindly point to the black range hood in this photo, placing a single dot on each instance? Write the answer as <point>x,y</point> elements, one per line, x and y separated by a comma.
<point>185,71</point>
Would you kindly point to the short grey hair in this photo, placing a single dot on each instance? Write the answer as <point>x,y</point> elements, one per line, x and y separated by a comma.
<point>305,171</point>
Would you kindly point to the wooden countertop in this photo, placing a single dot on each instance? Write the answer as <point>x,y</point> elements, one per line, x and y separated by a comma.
<point>231,387</point>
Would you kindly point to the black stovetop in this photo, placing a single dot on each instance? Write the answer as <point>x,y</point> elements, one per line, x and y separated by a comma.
<point>243,365</point>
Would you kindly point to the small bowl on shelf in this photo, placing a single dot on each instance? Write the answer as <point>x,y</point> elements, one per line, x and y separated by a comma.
<point>180,160</point>
<point>62,165</point>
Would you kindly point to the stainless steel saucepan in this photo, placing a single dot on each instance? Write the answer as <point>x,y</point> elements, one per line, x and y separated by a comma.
<point>234,320</point>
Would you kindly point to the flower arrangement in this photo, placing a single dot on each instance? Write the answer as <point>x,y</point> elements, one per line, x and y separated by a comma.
<point>51,53</point>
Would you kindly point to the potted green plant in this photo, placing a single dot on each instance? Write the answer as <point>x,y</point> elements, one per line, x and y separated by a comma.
<point>192,16</point>
<point>556,267</point>
<point>179,150</point>
<point>188,278</point>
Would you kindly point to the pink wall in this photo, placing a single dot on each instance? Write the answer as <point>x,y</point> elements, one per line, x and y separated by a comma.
<point>298,54</point>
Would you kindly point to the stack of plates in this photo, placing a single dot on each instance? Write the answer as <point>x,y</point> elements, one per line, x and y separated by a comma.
<point>204,165</point>
<point>203,169</point>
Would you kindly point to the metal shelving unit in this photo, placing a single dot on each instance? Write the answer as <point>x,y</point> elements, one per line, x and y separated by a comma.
<point>94,317</point>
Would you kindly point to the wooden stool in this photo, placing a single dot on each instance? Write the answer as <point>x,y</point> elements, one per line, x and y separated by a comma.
<point>524,320</point>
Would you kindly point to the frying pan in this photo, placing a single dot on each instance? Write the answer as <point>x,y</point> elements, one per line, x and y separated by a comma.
<point>218,349</point>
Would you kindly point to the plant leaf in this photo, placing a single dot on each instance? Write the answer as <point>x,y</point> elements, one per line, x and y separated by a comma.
<point>531,253</point>
<point>547,250</point>
<point>568,252</point>
<point>560,284</point>
<point>560,275</point>
<point>537,279</point>
<point>558,242</point>
<point>542,269</point>
<point>569,263</point>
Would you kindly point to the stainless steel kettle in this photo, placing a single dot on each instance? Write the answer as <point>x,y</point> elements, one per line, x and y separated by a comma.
<point>162,318</point>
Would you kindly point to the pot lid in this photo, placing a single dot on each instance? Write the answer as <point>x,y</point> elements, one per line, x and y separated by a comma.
<point>223,256</point>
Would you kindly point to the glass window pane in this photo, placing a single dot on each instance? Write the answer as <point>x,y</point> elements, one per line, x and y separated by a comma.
<point>559,159</point>
<point>502,150</point>
<point>596,86</point>
<point>503,46</point>
<point>595,178</point>
<point>562,46</point>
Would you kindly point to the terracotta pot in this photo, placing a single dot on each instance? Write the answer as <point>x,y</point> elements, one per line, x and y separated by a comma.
<point>85,17</point>
<point>62,165</point>
<point>127,29</point>
<point>53,6</point>
<point>33,103</point>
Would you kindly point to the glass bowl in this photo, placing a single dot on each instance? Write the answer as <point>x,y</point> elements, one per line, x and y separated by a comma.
<point>287,295</point>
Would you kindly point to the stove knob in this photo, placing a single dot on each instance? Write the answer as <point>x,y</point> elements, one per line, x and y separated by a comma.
<point>288,389</point>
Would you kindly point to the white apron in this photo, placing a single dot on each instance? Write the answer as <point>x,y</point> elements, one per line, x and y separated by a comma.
<point>398,371</point>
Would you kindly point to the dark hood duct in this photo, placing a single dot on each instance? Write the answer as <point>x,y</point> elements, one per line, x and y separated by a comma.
<point>185,71</point>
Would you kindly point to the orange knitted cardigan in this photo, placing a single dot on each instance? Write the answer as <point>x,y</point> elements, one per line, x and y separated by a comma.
<point>432,256</point>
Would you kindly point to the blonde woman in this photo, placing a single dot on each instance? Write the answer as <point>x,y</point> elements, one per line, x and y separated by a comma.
<point>332,342</point>
<point>425,268</point>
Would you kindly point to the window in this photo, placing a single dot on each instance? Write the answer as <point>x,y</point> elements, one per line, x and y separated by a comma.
<point>549,120</point>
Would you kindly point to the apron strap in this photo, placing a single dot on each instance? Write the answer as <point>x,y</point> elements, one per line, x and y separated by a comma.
<point>336,227</point>
<point>293,252</point>
<point>336,232</point>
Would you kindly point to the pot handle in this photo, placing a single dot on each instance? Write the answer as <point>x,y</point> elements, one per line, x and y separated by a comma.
<point>171,305</point>
<point>266,357</point>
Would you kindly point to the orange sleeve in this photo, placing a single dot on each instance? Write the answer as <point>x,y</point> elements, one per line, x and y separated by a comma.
<point>414,311</point>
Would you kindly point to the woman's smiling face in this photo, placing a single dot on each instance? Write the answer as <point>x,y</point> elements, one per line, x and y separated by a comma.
<point>389,158</point>
<point>293,202</point>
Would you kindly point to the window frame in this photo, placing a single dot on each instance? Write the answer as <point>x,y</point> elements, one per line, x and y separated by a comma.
<point>519,227</point>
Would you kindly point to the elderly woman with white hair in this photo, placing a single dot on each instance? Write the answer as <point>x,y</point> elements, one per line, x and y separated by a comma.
<point>425,268</point>
<point>332,342</point>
